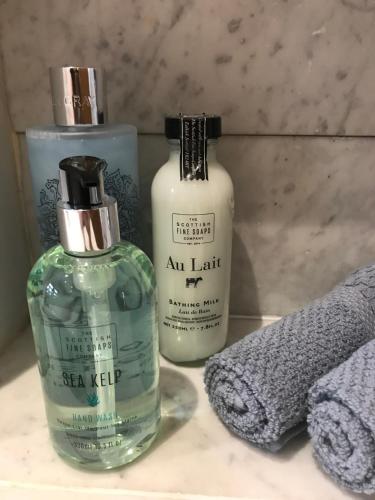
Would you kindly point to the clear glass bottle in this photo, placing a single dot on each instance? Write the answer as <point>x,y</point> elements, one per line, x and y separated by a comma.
<point>93,312</point>
<point>79,107</point>
<point>192,212</point>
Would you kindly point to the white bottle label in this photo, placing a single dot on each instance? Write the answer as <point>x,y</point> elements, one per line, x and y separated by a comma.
<point>194,278</point>
<point>192,229</point>
<point>198,311</point>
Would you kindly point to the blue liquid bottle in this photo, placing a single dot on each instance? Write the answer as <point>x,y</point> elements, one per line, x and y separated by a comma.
<point>80,128</point>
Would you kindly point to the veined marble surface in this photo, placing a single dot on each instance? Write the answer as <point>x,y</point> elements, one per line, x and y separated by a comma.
<point>304,210</point>
<point>269,67</point>
<point>194,458</point>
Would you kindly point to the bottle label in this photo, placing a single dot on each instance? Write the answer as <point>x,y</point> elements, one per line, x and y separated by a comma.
<point>200,282</point>
<point>196,272</point>
<point>85,358</point>
<point>193,147</point>
<point>193,229</point>
<point>81,344</point>
<point>96,382</point>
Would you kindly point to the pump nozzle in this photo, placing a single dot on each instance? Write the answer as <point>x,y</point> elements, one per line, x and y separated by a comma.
<point>82,181</point>
<point>88,219</point>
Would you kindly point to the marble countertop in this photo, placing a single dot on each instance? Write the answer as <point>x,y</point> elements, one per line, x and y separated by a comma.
<point>194,457</point>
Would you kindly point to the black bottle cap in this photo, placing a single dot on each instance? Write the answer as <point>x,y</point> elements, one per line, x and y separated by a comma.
<point>173,125</point>
<point>82,181</point>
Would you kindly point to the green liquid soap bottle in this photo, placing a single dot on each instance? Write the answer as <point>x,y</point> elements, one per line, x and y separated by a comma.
<point>93,312</point>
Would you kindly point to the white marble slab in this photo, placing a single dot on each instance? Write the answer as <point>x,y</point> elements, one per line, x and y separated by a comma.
<point>194,457</point>
<point>269,67</point>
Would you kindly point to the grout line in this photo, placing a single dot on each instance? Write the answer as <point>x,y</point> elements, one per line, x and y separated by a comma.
<point>265,317</point>
<point>114,491</point>
<point>271,136</point>
<point>302,136</point>
<point>243,317</point>
<point>17,160</point>
<point>16,145</point>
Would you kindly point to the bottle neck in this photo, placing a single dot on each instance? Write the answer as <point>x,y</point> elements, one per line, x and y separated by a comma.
<point>88,231</point>
<point>174,150</point>
<point>89,255</point>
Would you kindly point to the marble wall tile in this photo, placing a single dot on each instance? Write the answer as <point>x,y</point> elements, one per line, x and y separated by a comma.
<point>304,214</point>
<point>14,258</point>
<point>275,67</point>
<point>303,218</point>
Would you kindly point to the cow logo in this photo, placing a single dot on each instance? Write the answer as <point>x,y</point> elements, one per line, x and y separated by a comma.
<point>193,282</point>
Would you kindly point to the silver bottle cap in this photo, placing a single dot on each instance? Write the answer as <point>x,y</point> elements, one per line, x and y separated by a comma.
<point>78,96</point>
<point>88,218</point>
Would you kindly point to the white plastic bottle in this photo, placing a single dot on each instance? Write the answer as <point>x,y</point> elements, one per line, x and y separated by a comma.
<point>192,206</point>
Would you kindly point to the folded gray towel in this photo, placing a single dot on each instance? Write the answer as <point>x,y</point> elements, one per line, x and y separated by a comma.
<point>341,422</point>
<point>259,385</point>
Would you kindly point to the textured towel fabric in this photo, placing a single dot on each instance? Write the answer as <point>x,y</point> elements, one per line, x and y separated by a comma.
<point>341,422</point>
<point>259,385</point>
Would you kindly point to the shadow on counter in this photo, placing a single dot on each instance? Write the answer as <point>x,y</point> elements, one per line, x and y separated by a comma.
<point>18,357</point>
<point>179,399</point>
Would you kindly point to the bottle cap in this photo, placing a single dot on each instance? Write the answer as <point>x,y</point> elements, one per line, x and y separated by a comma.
<point>173,125</point>
<point>77,95</point>
<point>193,132</point>
<point>88,218</point>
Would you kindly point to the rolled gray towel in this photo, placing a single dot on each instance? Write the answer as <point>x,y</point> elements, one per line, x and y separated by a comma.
<point>259,385</point>
<point>341,421</point>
